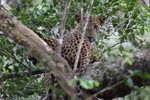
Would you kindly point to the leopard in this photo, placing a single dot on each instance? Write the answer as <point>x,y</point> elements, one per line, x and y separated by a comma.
<point>70,44</point>
<point>71,40</point>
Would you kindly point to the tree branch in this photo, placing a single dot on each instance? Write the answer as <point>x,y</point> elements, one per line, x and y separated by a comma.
<point>38,48</point>
<point>62,25</point>
<point>82,35</point>
<point>14,58</point>
<point>22,74</point>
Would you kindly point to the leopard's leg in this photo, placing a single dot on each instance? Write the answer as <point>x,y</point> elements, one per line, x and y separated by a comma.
<point>84,59</point>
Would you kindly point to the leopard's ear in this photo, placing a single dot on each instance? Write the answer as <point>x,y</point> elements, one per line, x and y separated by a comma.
<point>101,19</point>
<point>77,17</point>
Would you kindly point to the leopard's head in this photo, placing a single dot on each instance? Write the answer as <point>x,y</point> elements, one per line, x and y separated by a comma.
<point>92,27</point>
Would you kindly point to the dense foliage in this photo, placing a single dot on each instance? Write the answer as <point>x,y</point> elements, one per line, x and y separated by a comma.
<point>127,25</point>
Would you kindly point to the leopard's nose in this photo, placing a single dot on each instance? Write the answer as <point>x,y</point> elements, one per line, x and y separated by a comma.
<point>91,39</point>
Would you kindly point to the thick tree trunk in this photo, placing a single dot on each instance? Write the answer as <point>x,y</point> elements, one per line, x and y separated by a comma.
<point>38,48</point>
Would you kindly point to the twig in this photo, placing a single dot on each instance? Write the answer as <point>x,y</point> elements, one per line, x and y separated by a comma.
<point>144,2</point>
<point>120,24</point>
<point>22,74</point>
<point>62,25</point>
<point>82,35</point>
<point>111,46</point>
<point>128,24</point>
<point>64,17</point>
<point>14,58</point>
<point>108,88</point>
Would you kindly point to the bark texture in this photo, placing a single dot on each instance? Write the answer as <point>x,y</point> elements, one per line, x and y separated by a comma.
<point>38,48</point>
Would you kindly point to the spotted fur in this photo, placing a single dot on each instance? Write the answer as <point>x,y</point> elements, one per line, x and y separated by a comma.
<point>71,41</point>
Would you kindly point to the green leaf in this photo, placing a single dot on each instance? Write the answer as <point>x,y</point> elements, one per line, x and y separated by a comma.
<point>121,48</point>
<point>96,83</point>
<point>129,82</point>
<point>129,61</point>
<point>88,84</point>
<point>73,81</point>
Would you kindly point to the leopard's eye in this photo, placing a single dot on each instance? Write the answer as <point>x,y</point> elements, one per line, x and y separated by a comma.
<point>95,26</point>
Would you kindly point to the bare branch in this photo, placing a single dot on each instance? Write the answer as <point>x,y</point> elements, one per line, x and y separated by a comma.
<point>14,58</point>
<point>146,2</point>
<point>22,74</point>
<point>82,36</point>
<point>64,18</point>
<point>38,48</point>
<point>62,25</point>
